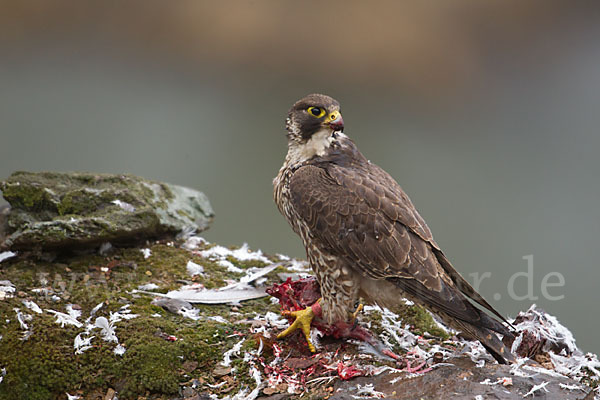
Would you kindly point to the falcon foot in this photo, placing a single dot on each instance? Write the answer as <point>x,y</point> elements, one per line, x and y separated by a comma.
<point>359,308</point>
<point>301,300</point>
<point>302,321</point>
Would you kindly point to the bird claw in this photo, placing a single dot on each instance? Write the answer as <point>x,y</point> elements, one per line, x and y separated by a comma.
<point>302,322</point>
<point>359,308</point>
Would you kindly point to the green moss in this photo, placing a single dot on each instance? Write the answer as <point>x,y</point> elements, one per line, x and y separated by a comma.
<point>66,209</point>
<point>420,320</point>
<point>27,197</point>
<point>45,366</point>
<point>590,379</point>
<point>40,367</point>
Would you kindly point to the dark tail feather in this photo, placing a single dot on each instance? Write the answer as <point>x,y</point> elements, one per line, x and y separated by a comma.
<point>490,341</point>
<point>459,313</point>
<point>497,349</point>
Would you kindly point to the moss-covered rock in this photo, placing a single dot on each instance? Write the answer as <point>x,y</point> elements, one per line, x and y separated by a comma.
<point>163,351</point>
<point>53,210</point>
<point>224,351</point>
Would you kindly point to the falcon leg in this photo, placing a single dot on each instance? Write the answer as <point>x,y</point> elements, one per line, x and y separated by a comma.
<point>302,321</point>
<point>359,308</point>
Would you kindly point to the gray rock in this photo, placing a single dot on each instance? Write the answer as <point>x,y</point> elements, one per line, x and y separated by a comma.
<point>51,210</point>
<point>462,380</point>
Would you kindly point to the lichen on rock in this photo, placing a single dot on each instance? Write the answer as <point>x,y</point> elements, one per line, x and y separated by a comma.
<point>52,210</point>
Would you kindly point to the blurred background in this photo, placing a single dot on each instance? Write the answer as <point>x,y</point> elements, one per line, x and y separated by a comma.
<point>485,112</point>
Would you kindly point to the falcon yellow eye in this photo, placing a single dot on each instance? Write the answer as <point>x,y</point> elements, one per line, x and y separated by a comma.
<point>316,112</point>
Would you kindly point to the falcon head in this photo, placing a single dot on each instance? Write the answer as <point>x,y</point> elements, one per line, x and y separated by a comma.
<point>315,113</point>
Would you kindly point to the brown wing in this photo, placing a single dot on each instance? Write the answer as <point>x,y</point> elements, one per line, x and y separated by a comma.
<point>362,214</point>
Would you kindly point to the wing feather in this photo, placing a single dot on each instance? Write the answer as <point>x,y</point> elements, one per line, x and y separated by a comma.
<point>360,213</point>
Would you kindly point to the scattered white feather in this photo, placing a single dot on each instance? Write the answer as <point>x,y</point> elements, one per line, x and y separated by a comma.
<point>194,269</point>
<point>119,350</point>
<point>394,329</point>
<point>191,313</point>
<point>5,255</point>
<point>6,289</point>
<point>569,387</point>
<point>193,242</point>
<point>315,338</point>
<point>124,205</point>
<point>218,318</point>
<point>234,351</point>
<point>231,294</point>
<point>32,306</point>
<point>23,318</point>
<point>506,381</point>
<point>148,286</point>
<point>544,326</point>
<point>477,353</point>
<point>575,366</point>
<point>569,362</point>
<point>96,309</point>
<point>535,388</point>
<point>106,325</point>
<point>367,392</point>
<point>276,320</point>
<point>65,319</point>
<point>2,374</point>
<point>123,313</point>
<point>107,329</point>
<point>243,254</point>
<point>146,253</point>
<point>254,274</point>
<point>73,312</point>
<point>297,266</point>
<point>516,368</point>
<point>193,294</point>
<point>81,344</point>
<point>186,232</point>
<point>243,395</point>
<point>229,265</point>
<point>72,397</point>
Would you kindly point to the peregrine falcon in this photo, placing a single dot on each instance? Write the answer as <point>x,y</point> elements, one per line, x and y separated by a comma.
<point>363,236</point>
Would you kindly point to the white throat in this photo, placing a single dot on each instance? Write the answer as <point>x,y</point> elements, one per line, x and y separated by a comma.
<point>317,145</point>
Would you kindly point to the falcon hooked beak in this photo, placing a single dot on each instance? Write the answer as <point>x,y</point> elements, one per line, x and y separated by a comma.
<point>335,121</point>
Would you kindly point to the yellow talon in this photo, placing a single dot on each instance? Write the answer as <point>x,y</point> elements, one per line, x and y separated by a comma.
<point>303,320</point>
<point>358,310</point>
